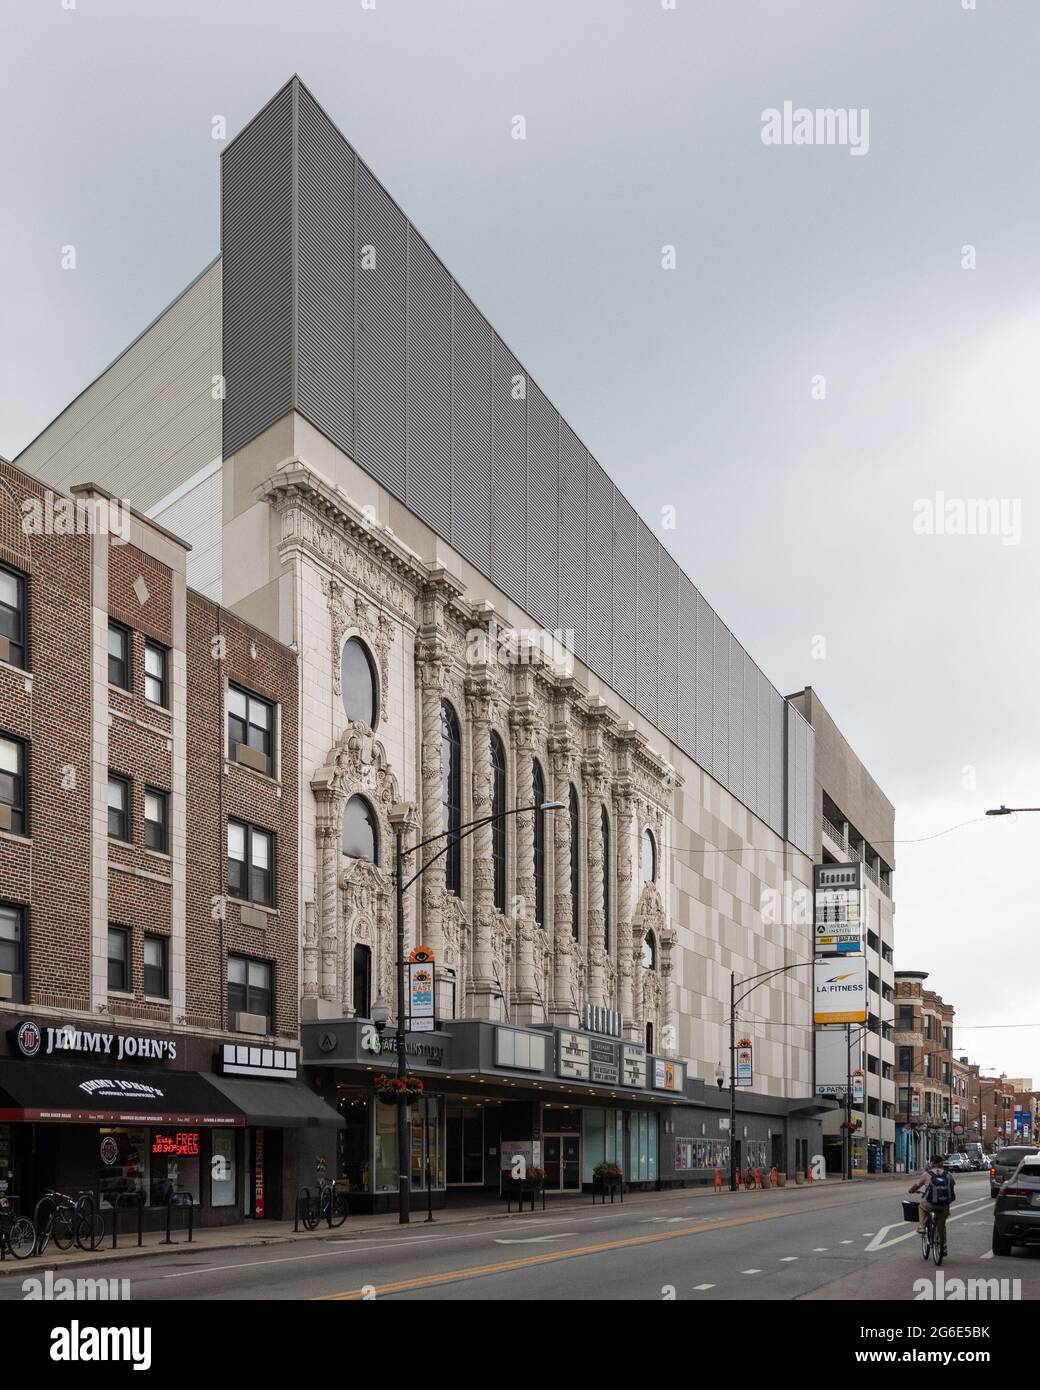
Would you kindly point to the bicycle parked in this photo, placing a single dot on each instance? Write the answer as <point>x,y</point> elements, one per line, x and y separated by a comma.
<point>17,1233</point>
<point>329,1204</point>
<point>68,1221</point>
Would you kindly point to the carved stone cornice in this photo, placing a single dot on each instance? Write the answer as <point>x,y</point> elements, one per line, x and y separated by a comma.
<point>324,521</point>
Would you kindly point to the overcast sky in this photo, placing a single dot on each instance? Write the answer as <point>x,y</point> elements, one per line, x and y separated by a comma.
<point>693,387</point>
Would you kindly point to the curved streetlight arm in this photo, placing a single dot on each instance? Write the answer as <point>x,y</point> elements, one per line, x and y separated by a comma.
<point>465,831</point>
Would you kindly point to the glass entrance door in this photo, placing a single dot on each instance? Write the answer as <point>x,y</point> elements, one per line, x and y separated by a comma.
<point>562,1162</point>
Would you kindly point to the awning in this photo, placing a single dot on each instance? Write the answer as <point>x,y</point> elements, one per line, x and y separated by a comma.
<point>57,1093</point>
<point>278,1104</point>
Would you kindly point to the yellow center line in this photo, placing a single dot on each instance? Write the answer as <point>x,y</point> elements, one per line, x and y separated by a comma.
<point>548,1257</point>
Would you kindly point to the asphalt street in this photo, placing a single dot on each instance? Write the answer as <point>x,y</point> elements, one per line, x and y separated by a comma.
<point>826,1242</point>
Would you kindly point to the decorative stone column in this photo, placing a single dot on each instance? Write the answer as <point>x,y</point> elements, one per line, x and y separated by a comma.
<point>623,929</point>
<point>321,960</point>
<point>564,1007</point>
<point>668,1037</point>
<point>485,988</point>
<point>596,928</point>
<point>528,1006</point>
<point>432,673</point>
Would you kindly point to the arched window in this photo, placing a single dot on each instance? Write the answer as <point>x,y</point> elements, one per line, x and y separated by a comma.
<point>538,797</point>
<point>451,800</point>
<point>575,864</point>
<point>359,684</point>
<point>649,1037</point>
<point>498,825</point>
<point>649,856</point>
<point>649,952</point>
<point>360,831</point>
<point>362,982</point>
<point>605,832</point>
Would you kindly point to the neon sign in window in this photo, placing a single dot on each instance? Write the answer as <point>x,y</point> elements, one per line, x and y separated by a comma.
<point>182,1144</point>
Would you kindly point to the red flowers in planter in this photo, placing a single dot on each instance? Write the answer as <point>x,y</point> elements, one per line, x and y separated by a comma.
<point>392,1089</point>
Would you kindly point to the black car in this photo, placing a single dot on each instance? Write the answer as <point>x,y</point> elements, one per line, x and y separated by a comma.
<point>1016,1216</point>
<point>1004,1163</point>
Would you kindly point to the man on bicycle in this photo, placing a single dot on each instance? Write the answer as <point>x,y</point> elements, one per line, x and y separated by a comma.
<point>939,1194</point>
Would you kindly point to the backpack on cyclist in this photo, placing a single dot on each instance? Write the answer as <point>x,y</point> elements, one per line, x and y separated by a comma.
<point>939,1192</point>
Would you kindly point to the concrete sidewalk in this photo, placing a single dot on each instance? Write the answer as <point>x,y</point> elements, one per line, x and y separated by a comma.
<point>466,1211</point>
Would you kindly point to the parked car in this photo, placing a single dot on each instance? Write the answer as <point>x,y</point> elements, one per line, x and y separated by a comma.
<point>957,1162</point>
<point>976,1158</point>
<point>1004,1163</point>
<point>1016,1216</point>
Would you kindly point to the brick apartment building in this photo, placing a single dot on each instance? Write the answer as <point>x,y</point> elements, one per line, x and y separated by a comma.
<point>998,1111</point>
<point>148,899</point>
<point>924,1069</point>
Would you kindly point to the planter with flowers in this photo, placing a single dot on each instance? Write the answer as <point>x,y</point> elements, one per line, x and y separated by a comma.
<point>399,1090</point>
<point>606,1178</point>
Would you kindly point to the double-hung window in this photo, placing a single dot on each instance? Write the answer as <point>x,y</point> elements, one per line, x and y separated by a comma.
<point>250,863</point>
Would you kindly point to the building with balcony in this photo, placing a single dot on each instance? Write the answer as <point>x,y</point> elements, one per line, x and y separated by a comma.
<point>854,821</point>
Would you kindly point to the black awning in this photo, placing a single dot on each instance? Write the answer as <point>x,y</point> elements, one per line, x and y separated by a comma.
<point>58,1093</point>
<point>277,1104</point>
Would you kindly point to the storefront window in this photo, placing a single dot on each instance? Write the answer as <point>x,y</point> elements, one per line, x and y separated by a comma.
<point>386,1148</point>
<point>642,1147</point>
<point>175,1164</point>
<point>426,1144</point>
<point>123,1163</point>
<point>603,1136</point>
<point>223,1177</point>
<point>355,1158</point>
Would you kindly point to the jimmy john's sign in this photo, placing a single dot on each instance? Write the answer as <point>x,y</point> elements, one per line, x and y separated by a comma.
<point>32,1039</point>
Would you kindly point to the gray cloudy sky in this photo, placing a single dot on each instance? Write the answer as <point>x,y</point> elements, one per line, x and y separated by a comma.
<point>692,387</point>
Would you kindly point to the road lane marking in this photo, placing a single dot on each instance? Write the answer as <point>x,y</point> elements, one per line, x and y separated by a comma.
<point>547,1257</point>
<point>699,1288</point>
<point>534,1240</point>
<point>786,1259</point>
<point>880,1243</point>
<point>751,1271</point>
<point>819,1249</point>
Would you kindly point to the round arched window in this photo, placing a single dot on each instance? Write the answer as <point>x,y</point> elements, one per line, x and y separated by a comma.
<point>649,856</point>
<point>649,951</point>
<point>360,686</point>
<point>360,833</point>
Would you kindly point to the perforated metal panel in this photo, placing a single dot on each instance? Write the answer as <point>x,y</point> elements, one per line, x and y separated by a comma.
<point>800,777</point>
<point>574,551</point>
<point>624,679</point>
<point>257,252</point>
<point>668,645</point>
<point>647,561</point>
<point>325,275</point>
<point>543,502</point>
<point>686,728</point>
<point>429,386</point>
<point>509,474</point>
<point>471,434</point>
<point>601,559</point>
<point>720,705</point>
<point>380,235</point>
<point>750,729</point>
<point>396,365</point>
<point>735,780</point>
<point>704,750</point>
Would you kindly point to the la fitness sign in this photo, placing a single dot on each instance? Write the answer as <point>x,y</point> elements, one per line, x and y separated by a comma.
<point>34,1040</point>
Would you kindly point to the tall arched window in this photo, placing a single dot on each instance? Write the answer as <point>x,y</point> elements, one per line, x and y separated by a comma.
<point>575,864</point>
<point>359,684</point>
<point>538,797</point>
<point>649,856</point>
<point>362,982</point>
<point>451,800</point>
<point>605,832</point>
<point>360,830</point>
<point>498,825</point>
<point>649,951</point>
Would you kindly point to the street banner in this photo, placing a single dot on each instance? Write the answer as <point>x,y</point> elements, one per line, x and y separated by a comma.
<point>745,1066</point>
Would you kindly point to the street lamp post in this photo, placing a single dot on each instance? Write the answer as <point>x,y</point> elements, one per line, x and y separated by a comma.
<point>754,981</point>
<point>401,819</point>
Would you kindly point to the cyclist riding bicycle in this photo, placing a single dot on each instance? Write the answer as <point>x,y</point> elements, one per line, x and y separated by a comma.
<point>939,1194</point>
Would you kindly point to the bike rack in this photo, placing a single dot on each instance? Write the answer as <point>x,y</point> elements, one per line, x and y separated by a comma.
<point>303,1200</point>
<point>129,1199</point>
<point>180,1199</point>
<point>43,1202</point>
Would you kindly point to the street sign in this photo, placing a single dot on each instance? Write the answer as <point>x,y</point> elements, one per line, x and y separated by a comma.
<point>840,990</point>
<point>838,908</point>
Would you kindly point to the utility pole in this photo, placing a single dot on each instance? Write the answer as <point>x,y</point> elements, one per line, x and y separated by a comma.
<point>732,1081</point>
<point>403,1179</point>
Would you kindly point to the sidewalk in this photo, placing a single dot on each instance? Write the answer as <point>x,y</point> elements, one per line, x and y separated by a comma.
<point>467,1210</point>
